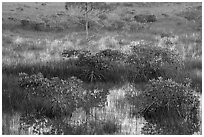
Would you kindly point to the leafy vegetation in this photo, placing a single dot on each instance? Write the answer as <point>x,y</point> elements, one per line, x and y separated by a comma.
<point>53,97</point>
<point>58,98</point>
<point>96,67</point>
<point>170,106</point>
<point>89,11</point>
<point>147,61</point>
<point>141,68</point>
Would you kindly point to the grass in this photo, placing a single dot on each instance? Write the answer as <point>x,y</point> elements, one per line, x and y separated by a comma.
<point>10,124</point>
<point>13,97</point>
<point>33,51</point>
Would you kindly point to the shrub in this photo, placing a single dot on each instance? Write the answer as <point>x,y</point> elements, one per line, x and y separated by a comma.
<point>145,18</point>
<point>25,22</point>
<point>56,98</point>
<point>146,61</point>
<point>75,53</point>
<point>170,106</point>
<point>97,67</point>
<point>192,14</point>
<point>94,68</point>
<point>53,98</point>
<point>112,55</point>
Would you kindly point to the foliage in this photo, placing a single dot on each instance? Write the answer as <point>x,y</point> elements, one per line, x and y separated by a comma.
<point>75,53</point>
<point>57,98</point>
<point>145,18</point>
<point>171,106</point>
<point>194,13</point>
<point>151,129</point>
<point>90,11</point>
<point>112,55</point>
<point>41,125</point>
<point>95,67</point>
<point>146,61</point>
<point>54,97</point>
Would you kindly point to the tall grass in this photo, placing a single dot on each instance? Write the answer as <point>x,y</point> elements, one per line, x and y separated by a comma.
<point>11,125</point>
<point>31,55</point>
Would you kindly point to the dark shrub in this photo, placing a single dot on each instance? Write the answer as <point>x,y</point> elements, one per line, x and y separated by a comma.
<point>146,62</point>
<point>75,53</point>
<point>171,107</point>
<point>53,98</point>
<point>99,67</point>
<point>57,98</point>
<point>33,25</point>
<point>25,22</point>
<point>40,26</point>
<point>112,55</point>
<point>142,18</point>
<point>94,68</point>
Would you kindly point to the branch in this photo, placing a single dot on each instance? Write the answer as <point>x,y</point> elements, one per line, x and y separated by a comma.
<point>101,12</point>
<point>98,14</point>
<point>149,106</point>
<point>76,21</point>
<point>178,112</point>
<point>87,12</point>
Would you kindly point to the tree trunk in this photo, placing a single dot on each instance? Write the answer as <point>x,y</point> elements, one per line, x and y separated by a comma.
<point>87,22</point>
<point>87,29</point>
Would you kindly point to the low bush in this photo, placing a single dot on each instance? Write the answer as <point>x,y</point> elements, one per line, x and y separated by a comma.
<point>94,68</point>
<point>172,107</point>
<point>112,55</point>
<point>146,62</point>
<point>57,98</point>
<point>99,67</point>
<point>145,18</point>
<point>52,98</point>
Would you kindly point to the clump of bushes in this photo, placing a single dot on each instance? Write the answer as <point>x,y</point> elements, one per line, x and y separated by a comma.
<point>95,68</point>
<point>112,55</point>
<point>53,98</point>
<point>142,18</point>
<point>146,62</point>
<point>99,67</point>
<point>172,107</point>
<point>75,53</point>
<point>57,98</point>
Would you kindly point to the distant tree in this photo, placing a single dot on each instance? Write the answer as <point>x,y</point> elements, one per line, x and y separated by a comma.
<point>90,11</point>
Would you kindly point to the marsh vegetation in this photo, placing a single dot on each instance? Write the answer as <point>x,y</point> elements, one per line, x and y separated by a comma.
<point>132,73</point>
